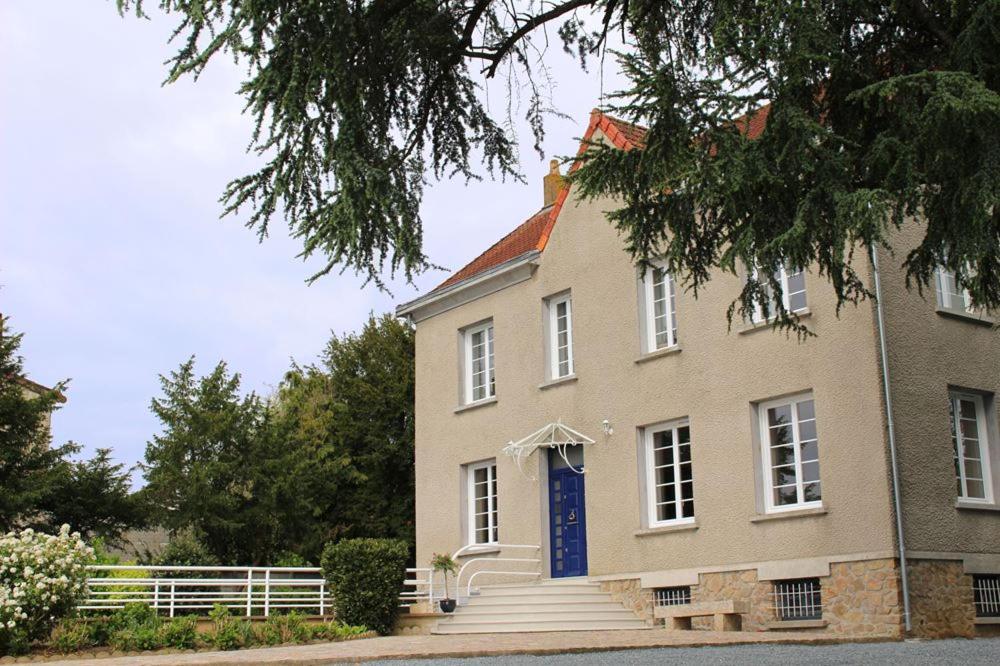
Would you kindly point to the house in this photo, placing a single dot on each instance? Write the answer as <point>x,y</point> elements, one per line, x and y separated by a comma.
<point>579,419</point>
<point>33,389</point>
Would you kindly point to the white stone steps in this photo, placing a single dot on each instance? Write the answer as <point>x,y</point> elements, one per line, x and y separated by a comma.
<point>468,615</point>
<point>565,605</point>
<point>542,606</point>
<point>591,597</point>
<point>528,590</point>
<point>541,625</point>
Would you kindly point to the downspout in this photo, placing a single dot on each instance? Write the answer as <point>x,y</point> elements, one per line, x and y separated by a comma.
<point>896,495</point>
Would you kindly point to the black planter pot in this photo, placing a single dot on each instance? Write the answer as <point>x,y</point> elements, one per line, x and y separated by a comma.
<point>447,605</point>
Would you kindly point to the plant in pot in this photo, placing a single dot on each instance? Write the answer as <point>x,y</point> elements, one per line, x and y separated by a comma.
<point>446,565</point>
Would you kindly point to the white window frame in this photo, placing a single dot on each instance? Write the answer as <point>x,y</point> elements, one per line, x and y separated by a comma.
<point>649,439</point>
<point>553,304</point>
<point>492,511</point>
<point>946,298</point>
<point>784,273</point>
<point>649,308</point>
<point>489,374</point>
<point>984,446</point>
<point>764,435</point>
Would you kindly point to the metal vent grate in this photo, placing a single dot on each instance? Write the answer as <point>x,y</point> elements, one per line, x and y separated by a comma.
<point>798,599</point>
<point>987,594</point>
<point>672,596</point>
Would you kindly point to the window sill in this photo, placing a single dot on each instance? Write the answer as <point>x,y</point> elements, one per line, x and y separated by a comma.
<point>659,353</point>
<point>485,549</point>
<point>987,620</point>
<point>966,505</point>
<point>781,625</point>
<point>797,513</point>
<point>769,323</point>
<point>476,405</point>
<point>981,319</point>
<point>568,379</point>
<point>666,529</point>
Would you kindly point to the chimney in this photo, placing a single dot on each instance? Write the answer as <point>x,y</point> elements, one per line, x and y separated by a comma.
<point>552,183</point>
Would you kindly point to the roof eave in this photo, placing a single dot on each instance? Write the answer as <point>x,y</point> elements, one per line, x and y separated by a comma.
<point>494,279</point>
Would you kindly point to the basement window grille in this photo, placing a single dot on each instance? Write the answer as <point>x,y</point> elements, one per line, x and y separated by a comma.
<point>673,596</point>
<point>987,594</point>
<point>798,599</point>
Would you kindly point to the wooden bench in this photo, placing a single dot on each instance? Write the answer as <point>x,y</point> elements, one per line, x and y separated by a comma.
<point>725,614</point>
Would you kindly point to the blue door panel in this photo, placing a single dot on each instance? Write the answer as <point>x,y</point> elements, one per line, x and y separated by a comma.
<point>567,523</point>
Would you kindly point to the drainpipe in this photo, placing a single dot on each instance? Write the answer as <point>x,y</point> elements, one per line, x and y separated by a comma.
<point>896,495</point>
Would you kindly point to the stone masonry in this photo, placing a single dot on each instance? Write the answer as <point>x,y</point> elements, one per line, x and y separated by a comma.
<point>941,599</point>
<point>859,598</point>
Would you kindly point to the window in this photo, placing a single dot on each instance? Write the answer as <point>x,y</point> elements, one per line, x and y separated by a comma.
<point>482,478</point>
<point>986,590</point>
<point>560,330</point>
<point>672,596</point>
<point>793,292</point>
<point>660,309</point>
<point>951,294</point>
<point>479,380</point>
<point>669,484</point>
<point>790,453</point>
<point>970,447</point>
<point>798,599</point>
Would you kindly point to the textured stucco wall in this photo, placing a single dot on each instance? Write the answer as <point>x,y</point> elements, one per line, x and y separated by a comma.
<point>712,381</point>
<point>928,353</point>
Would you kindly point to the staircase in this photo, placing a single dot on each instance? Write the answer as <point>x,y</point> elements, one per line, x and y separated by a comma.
<point>551,605</point>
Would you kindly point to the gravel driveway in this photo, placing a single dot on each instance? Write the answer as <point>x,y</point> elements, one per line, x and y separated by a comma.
<point>958,652</point>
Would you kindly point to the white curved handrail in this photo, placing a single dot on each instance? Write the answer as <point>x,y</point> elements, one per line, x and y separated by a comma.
<point>472,548</point>
<point>468,591</point>
<point>458,578</point>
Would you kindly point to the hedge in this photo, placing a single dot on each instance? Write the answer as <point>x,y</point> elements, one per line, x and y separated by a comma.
<point>366,577</point>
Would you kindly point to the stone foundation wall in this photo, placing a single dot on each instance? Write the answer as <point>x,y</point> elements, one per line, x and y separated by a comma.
<point>738,586</point>
<point>863,598</point>
<point>859,598</point>
<point>630,594</point>
<point>941,599</point>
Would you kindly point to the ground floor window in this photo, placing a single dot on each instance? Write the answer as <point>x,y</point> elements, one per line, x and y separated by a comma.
<point>798,599</point>
<point>790,453</point>
<point>669,482</point>
<point>482,510</point>
<point>970,446</point>
<point>986,589</point>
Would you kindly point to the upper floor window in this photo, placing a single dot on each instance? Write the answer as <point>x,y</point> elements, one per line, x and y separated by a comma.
<point>793,292</point>
<point>669,482</point>
<point>560,331</point>
<point>790,453</point>
<point>950,292</point>
<point>660,309</point>
<point>479,380</point>
<point>482,510</point>
<point>971,448</point>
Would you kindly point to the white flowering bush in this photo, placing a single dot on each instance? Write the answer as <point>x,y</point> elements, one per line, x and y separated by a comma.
<point>42,577</point>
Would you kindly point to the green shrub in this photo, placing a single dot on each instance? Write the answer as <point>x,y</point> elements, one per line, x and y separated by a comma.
<point>180,633</point>
<point>279,629</point>
<point>366,577</point>
<point>134,627</point>
<point>71,636</point>
<point>229,633</point>
<point>336,631</point>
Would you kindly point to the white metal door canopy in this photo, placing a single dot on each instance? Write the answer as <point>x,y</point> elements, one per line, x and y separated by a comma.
<point>553,436</point>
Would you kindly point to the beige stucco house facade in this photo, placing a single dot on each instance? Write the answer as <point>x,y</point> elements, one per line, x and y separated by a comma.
<point>716,464</point>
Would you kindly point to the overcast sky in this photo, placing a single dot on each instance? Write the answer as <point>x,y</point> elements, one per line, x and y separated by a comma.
<point>113,259</point>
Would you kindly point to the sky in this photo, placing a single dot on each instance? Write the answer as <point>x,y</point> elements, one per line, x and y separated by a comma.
<point>114,262</point>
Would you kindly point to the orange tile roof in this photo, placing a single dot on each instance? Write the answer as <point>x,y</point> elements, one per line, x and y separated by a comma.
<point>523,239</point>
<point>533,233</point>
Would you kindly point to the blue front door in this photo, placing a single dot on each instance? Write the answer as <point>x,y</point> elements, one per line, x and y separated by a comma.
<point>567,523</point>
